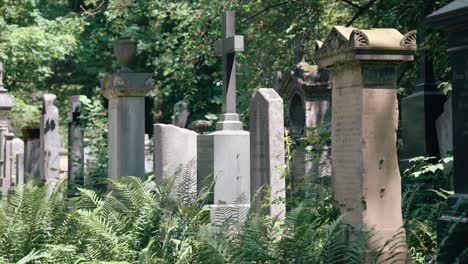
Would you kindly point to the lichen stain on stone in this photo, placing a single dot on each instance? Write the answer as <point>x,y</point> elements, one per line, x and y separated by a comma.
<point>381,164</point>
<point>382,192</point>
<point>364,203</point>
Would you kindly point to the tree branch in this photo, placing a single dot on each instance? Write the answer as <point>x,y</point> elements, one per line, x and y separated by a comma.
<point>265,10</point>
<point>351,4</point>
<point>361,11</point>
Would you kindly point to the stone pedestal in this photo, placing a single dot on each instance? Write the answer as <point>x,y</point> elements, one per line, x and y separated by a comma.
<point>75,147</point>
<point>224,157</point>
<point>126,93</point>
<point>50,142</point>
<point>453,226</point>
<point>366,179</point>
<point>267,160</point>
<point>32,155</point>
<point>175,156</point>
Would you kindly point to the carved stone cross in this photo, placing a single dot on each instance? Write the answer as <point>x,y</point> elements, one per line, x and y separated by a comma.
<point>227,47</point>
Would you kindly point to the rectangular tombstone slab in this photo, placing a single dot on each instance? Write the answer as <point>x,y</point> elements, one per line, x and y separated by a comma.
<point>267,157</point>
<point>32,155</point>
<point>175,155</point>
<point>16,161</point>
<point>50,140</point>
<point>149,155</point>
<point>224,157</point>
<point>75,145</point>
<point>126,137</point>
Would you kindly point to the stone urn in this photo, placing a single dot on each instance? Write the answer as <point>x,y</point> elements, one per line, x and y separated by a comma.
<point>125,49</point>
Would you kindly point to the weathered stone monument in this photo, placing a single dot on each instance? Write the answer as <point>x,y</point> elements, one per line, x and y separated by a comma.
<point>32,155</point>
<point>453,226</point>
<point>181,114</point>
<point>366,179</point>
<point>126,92</point>
<point>149,156</point>
<point>224,155</point>
<point>307,92</point>
<point>50,142</point>
<point>75,146</point>
<point>175,157</point>
<point>267,153</point>
<point>420,110</point>
<point>14,160</point>
<point>200,126</point>
<point>6,104</point>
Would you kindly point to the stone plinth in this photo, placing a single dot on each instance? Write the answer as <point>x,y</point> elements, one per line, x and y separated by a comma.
<point>366,178</point>
<point>75,147</point>
<point>126,93</point>
<point>267,153</point>
<point>224,157</point>
<point>50,141</point>
<point>453,226</point>
<point>175,157</point>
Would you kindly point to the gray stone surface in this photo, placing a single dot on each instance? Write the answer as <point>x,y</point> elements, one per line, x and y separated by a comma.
<point>444,126</point>
<point>181,114</point>
<point>224,157</point>
<point>15,161</point>
<point>50,141</point>
<point>175,155</point>
<point>267,153</point>
<point>200,126</point>
<point>6,103</point>
<point>75,145</point>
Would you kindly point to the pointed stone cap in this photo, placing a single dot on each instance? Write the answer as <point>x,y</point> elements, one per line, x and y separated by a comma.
<point>452,17</point>
<point>382,44</point>
<point>6,103</point>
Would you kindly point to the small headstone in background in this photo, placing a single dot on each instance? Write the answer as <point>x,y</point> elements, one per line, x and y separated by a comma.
<point>6,104</point>
<point>50,141</point>
<point>181,114</point>
<point>200,126</point>
<point>175,155</point>
<point>14,154</point>
<point>76,146</point>
<point>267,153</point>
<point>32,155</point>
<point>149,157</point>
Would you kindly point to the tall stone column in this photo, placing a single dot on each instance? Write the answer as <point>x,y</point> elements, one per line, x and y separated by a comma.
<point>366,178</point>
<point>224,155</point>
<point>50,141</point>
<point>453,226</point>
<point>75,146</point>
<point>126,91</point>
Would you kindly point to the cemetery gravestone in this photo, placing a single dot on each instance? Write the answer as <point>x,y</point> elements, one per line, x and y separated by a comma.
<point>50,141</point>
<point>32,155</point>
<point>453,226</point>
<point>267,157</point>
<point>181,114</point>
<point>224,155</point>
<point>149,157</point>
<point>366,179</point>
<point>175,158</point>
<point>6,103</point>
<point>444,124</point>
<point>75,147</point>
<point>14,160</point>
<point>126,92</point>
<point>308,96</point>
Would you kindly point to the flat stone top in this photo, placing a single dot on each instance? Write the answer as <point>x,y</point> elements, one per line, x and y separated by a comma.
<point>377,43</point>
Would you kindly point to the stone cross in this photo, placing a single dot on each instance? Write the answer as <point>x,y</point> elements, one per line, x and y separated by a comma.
<point>267,153</point>
<point>366,178</point>
<point>75,146</point>
<point>227,47</point>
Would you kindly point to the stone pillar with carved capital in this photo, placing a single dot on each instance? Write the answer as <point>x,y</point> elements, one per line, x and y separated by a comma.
<point>366,178</point>
<point>126,91</point>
